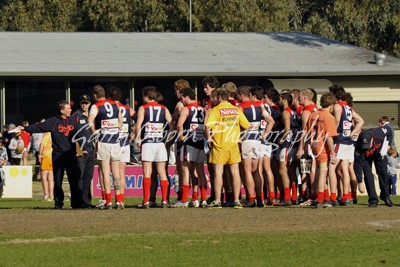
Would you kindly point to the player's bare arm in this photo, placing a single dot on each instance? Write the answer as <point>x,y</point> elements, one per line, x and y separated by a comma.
<point>139,122</point>
<point>358,123</point>
<point>286,124</point>
<point>337,112</point>
<point>182,118</point>
<point>305,115</point>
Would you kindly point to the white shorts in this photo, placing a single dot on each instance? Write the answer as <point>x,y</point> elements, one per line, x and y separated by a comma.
<point>251,149</point>
<point>107,151</point>
<point>352,154</point>
<point>192,154</point>
<point>154,152</point>
<point>266,150</point>
<point>287,154</point>
<point>344,152</point>
<point>125,153</point>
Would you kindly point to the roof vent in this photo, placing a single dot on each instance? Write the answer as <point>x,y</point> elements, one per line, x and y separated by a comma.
<point>380,59</point>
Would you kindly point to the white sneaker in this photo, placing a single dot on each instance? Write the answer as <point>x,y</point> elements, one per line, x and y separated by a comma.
<point>119,205</point>
<point>45,197</point>
<point>204,204</point>
<point>194,204</point>
<point>109,206</point>
<point>101,203</point>
<point>174,202</point>
<point>179,204</point>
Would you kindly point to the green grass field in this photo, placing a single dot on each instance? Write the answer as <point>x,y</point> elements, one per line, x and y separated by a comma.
<point>33,234</point>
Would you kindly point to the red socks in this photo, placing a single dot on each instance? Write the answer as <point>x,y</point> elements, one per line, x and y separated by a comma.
<point>195,196</point>
<point>119,198</point>
<point>164,189</point>
<point>108,198</point>
<point>320,197</point>
<point>271,196</point>
<point>203,191</point>
<point>327,197</point>
<point>294,191</point>
<point>185,192</point>
<point>286,194</point>
<point>146,189</point>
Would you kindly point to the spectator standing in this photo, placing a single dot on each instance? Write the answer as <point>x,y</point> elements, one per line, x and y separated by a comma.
<point>16,149</point>
<point>393,166</point>
<point>3,153</point>
<point>8,135</point>
<point>27,143</point>
<point>36,139</point>
<point>46,167</point>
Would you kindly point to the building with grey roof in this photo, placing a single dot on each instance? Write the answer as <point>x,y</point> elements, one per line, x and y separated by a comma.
<point>37,69</point>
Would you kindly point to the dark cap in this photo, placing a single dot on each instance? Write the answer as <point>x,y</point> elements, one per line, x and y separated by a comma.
<point>85,97</point>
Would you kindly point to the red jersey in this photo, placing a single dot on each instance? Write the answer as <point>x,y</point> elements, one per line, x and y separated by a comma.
<point>234,102</point>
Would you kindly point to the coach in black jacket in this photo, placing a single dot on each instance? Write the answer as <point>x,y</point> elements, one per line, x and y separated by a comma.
<point>62,129</point>
<point>372,146</point>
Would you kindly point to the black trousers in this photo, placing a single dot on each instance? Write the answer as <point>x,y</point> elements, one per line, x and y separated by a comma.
<point>85,169</point>
<point>65,162</point>
<point>363,165</point>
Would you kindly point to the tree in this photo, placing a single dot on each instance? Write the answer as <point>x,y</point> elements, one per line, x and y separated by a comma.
<point>39,15</point>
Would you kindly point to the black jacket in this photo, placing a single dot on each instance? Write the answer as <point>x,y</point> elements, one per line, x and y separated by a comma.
<point>61,130</point>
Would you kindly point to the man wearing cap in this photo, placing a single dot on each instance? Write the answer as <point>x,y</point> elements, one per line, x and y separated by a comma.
<point>84,150</point>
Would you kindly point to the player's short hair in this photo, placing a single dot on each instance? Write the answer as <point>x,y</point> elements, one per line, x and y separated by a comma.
<point>244,90</point>
<point>114,93</point>
<point>231,88</point>
<point>99,91</point>
<point>152,93</point>
<point>211,81</point>
<point>223,93</point>
<point>308,93</point>
<point>272,94</point>
<point>257,91</point>
<point>180,84</point>
<point>187,91</point>
<point>327,99</point>
<point>338,91</point>
<point>288,97</point>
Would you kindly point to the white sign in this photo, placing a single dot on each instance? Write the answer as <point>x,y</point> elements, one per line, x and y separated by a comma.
<point>18,182</point>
